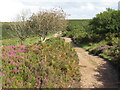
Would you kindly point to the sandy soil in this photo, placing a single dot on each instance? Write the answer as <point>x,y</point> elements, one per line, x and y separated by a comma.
<point>95,72</point>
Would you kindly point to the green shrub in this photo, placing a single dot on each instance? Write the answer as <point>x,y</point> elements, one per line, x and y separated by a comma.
<point>106,22</point>
<point>109,50</point>
<point>106,28</point>
<point>52,64</point>
<point>78,31</point>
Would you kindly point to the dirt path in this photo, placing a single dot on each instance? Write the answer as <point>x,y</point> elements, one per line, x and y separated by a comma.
<point>95,71</point>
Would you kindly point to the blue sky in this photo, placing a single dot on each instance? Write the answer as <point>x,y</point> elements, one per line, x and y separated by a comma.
<point>79,9</point>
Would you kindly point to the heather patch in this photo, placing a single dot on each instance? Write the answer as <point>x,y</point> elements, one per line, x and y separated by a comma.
<point>53,64</point>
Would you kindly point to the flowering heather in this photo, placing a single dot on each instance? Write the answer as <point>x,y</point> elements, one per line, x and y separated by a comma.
<point>39,66</point>
<point>104,47</point>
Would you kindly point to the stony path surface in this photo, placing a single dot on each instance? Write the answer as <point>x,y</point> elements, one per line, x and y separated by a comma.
<point>95,71</point>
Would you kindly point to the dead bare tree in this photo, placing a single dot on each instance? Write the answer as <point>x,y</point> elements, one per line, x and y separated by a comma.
<point>20,28</point>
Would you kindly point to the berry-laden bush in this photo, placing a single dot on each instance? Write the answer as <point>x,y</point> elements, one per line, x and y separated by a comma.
<point>48,21</point>
<point>53,64</point>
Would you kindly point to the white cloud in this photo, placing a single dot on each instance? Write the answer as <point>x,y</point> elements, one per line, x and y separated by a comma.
<point>88,6</point>
<point>69,0</point>
<point>88,10</point>
<point>77,8</point>
<point>12,8</point>
<point>8,9</point>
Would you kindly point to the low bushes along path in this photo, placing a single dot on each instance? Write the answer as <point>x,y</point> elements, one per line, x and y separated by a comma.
<point>95,71</point>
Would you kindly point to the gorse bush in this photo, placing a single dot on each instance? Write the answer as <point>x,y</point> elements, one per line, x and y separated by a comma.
<point>107,26</point>
<point>106,22</point>
<point>53,64</point>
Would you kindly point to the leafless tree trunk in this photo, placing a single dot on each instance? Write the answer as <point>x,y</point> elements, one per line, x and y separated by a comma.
<point>20,28</point>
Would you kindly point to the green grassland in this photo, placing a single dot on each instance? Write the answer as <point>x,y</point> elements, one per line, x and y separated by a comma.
<point>78,21</point>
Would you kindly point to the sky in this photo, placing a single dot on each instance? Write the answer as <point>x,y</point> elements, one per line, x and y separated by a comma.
<point>78,9</point>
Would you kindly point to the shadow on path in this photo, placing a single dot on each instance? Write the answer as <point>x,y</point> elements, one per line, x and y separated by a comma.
<point>107,75</point>
<point>96,72</point>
